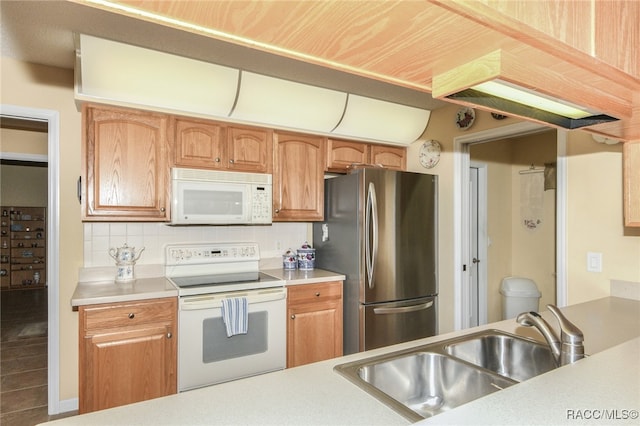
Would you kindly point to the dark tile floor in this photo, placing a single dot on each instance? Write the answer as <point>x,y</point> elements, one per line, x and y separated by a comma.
<point>23,358</point>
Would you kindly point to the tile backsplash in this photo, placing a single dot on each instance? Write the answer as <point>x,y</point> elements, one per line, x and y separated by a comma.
<point>99,237</point>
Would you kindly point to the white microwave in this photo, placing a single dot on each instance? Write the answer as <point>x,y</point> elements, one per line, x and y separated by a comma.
<point>209,197</point>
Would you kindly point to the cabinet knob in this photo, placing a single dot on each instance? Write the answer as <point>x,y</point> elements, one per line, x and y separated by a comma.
<point>217,160</point>
<point>231,161</point>
<point>162,209</point>
<point>277,210</point>
<point>169,335</point>
<point>132,315</point>
<point>318,294</point>
<point>293,317</point>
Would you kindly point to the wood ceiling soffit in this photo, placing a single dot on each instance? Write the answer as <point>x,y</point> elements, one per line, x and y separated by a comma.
<point>394,41</point>
<point>499,19</point>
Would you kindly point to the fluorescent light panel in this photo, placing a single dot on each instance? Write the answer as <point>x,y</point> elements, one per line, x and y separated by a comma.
<point>503,89</point>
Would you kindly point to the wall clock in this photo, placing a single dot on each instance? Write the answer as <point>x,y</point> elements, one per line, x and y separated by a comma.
<point>430,153</point>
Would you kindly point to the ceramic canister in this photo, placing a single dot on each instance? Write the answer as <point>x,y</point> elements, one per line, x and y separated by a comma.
<point>306,257</point>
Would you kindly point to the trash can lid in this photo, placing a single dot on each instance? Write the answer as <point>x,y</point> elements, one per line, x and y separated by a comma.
<point>519,287</point>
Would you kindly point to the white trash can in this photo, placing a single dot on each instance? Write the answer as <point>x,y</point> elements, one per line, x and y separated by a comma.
<point>519,295</point>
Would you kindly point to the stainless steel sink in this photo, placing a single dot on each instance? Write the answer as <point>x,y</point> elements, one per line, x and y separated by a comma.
<point>517,358</point>
<point>423,381</point>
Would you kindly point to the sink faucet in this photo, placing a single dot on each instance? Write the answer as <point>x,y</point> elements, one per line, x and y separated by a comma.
<point>569,348</point>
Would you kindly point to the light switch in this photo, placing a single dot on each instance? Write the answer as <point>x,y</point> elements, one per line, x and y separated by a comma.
<point>594,262</point>
<point>325,232</point>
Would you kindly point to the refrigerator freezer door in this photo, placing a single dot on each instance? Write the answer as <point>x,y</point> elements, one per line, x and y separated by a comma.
<point>401,233</point>
<point>396,322</point>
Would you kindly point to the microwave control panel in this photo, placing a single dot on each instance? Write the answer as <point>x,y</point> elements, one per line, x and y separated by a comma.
<point>261,204</point>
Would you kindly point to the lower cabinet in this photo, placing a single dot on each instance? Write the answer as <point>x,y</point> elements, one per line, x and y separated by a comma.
<point>314,322</point>
<point>128,352</point>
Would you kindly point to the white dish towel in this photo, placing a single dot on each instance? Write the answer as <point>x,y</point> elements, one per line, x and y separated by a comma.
<point>235,315</point>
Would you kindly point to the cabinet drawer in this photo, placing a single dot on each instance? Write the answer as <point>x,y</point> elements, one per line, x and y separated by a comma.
<point>311,293</point>
<point>128,314</point>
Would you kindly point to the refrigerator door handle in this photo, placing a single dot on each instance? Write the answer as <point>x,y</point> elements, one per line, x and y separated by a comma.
<point>403,309</point>
<point>371,227</point>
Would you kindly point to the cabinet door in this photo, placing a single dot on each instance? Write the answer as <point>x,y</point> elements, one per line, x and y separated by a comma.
<point>128,352</point>
<point>298,177</point>
<point>128,366</point>
<point>390,157</point>
<point>126,165</point>
<point>198,144</point>
<point>314,325</point>
<point>250,150</point>
<point>342,155</point>
<point>631,165</point>
<point>312,333</point>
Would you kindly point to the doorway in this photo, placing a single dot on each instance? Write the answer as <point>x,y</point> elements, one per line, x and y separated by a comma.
<point>463,241</point>
<point>52,120</point>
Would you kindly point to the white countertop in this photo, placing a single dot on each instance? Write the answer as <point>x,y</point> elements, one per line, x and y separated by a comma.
<point>299,276</point>
<point>109,291</point>
<point>315,394</point>
<point>98,286</point>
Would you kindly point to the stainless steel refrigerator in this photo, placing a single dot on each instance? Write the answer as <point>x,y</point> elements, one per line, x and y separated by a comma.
<point>380,231</point>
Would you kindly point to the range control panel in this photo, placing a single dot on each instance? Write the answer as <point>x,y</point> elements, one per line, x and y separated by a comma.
<point>210,253</point>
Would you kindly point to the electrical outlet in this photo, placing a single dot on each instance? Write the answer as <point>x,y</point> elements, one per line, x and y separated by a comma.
<point>594,262</point>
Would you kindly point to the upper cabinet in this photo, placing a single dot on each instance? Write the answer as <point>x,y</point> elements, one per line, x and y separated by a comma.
<point>298,177</point>
<point>344,155</point>
<point>389,157</point>
<point>213,145</point>
<point>631,167</point>
<point>125,165</point>
<point>198,143</point>
<point>249,149</point>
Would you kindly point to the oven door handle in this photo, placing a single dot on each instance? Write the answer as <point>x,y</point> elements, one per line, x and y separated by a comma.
<point>213,301</point>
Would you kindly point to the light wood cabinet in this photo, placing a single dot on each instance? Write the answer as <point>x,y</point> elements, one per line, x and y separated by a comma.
<point>344,155</point>
<point>126,165</point>
<point>298,177</point>
<point>389,157</point>
<point>198,143</point>
<point>213,145</point>
<point>631,167</point>
<point>250,149</point>
<point>314,324</point>
<point>128,352</point>
<point>23,247</point>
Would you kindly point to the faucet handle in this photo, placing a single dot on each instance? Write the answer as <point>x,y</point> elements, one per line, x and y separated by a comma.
<point>569,332</point>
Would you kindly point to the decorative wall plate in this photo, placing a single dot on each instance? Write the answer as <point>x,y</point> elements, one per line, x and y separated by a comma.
<point>430,153</point>
<point>465,118</point>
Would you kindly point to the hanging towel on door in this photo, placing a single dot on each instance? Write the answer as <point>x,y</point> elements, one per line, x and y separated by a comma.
<point>235,315</point>
<point>532,199</point>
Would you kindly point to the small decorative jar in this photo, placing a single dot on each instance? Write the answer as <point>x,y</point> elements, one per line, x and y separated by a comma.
<point>306,257</point>
<point>289,260</point>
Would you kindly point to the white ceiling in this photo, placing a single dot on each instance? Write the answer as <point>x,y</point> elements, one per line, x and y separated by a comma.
<point>42,32</point>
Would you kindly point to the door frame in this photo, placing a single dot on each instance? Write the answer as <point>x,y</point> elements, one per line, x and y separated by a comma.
<point>461,240</point>
<point>53,241</point>
<point>482,241</point>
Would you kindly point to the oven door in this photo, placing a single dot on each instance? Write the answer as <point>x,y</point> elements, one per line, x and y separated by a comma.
<point>207,356</point>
